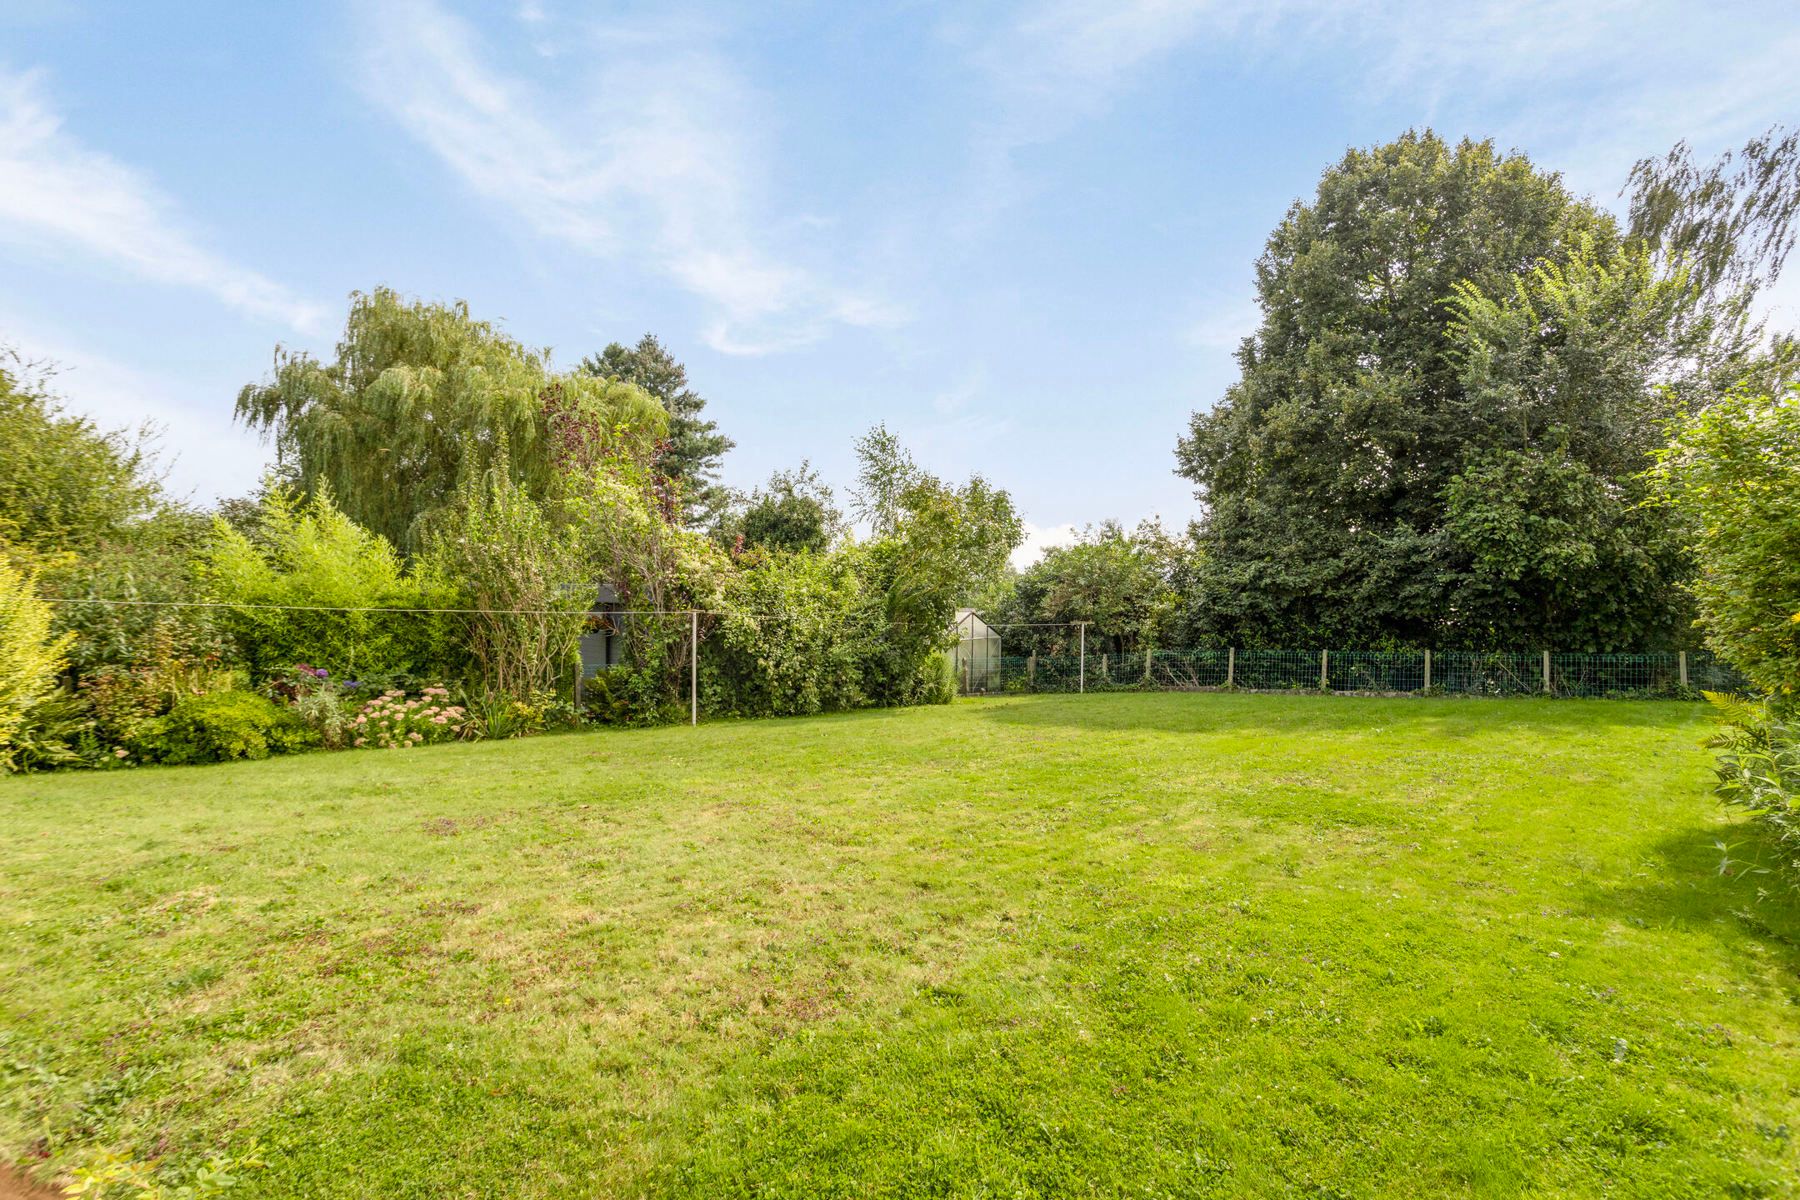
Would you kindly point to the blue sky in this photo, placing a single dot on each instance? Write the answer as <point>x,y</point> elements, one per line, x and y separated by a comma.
<point>1022,235</point>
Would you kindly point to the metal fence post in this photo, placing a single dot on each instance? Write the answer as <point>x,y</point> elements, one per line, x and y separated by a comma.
<point>1081,685</point>
<point>694,666</point>
<point>1546,672</point>
<point>1231,666</point>
<point>1324,670</point>
<point>1427,686</point>
<point>1681,659</point>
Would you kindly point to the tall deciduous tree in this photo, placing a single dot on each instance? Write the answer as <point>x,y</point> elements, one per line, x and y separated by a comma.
<point>694,447</point>
<point>1459,370</point>
<point>418,396</point>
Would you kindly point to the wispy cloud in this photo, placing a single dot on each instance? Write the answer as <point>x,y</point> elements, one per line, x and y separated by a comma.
<point>654,162</point>
<point>57,194</point>
<point>1595,85</point>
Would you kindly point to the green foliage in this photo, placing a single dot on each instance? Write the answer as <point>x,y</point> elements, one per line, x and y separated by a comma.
<point>523,573</point>
<point>305,555</point>
<point>221,726</point>
<point>935,546</point>
<point>55,730</point>
<point>31,658</point>
<point>67,484</point>
<point>1732,474</point>
<point>419,396</point>
<point>792,637</point>
<point>691,453</point>
<point>794,512</point>
<point>1732,221</point>
<point>884,471</point>
<point>621,517</point>
<point>1430,445</point>
<point>627,695</point>
<point>1758,770</point>
<point>1122,582</point>
<point>153,568</point>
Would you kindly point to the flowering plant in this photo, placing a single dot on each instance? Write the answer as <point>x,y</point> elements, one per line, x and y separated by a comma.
<point>394,722</point>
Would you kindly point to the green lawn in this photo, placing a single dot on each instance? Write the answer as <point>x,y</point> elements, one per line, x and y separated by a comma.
<point>1133,945</point>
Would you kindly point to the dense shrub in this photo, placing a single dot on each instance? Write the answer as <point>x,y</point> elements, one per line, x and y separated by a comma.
<point>303,557</point>
<point>222,726</point>
<point>151,569</point>
<point>791,638</point>
<point>30,658</point>
<point>1758,770</point>
<point>1732,472</point>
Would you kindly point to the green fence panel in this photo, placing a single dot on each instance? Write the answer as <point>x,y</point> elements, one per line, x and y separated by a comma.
<point>1384,672</point>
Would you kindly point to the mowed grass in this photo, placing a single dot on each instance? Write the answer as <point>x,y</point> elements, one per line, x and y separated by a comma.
<point>1119,945</point>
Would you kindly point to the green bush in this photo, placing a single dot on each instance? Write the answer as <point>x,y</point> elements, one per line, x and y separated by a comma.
<point>790,639</point>
<point>316,587</point>
<point>220,727</point>
<point>1758,770</point>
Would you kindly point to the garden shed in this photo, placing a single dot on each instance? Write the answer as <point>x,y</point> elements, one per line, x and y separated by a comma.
<point>603,641</point>
<point>976,653</point>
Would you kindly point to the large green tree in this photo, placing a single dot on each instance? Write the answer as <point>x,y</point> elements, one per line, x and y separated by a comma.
<point>1459,370</point>
<point>418,396</point>
<point>694,446</point>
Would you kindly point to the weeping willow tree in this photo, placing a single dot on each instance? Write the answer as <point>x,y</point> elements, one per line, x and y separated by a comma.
<point>419,396</point>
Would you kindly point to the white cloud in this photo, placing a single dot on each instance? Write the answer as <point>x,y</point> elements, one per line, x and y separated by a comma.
<point>204,454</point>
<point>56,194</point>
<point>1592,87</point>
<point>1039,538</point>
<point>656,163</point>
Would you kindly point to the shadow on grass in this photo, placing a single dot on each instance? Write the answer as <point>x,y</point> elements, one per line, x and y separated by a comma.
<point>1255,712</point>
<point>1724,880</point>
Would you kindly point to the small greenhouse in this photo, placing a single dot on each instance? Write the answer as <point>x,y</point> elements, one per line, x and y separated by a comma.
<point>976,654</point>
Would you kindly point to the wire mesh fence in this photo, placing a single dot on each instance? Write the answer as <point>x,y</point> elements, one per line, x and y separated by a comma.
<point>1671,674</point>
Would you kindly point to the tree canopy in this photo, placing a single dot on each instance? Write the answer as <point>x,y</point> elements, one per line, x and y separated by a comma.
<point>68,485</point>
<point>692,451</point>
<point>1460,370</point>
<point>794,511</point>
<point>418,395</point>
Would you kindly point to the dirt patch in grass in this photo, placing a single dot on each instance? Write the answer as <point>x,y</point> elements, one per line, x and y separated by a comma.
<point>14,1186</point>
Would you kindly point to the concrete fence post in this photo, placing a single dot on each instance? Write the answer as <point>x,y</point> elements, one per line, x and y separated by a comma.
<point>1081,684</point>
<point>1546,672</point>
<point>1147,666</point>
<point>1231,666</point>
<point>1324,670</point>
<point>1427,671</point>
<point>1031,671</point>
<point>694,667</point>
<point>1681,659</point>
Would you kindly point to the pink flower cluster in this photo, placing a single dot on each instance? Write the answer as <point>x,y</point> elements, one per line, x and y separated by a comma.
<point>393,722</point>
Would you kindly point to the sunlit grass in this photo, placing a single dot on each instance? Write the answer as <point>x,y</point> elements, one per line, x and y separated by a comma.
<point>1109,945</point>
